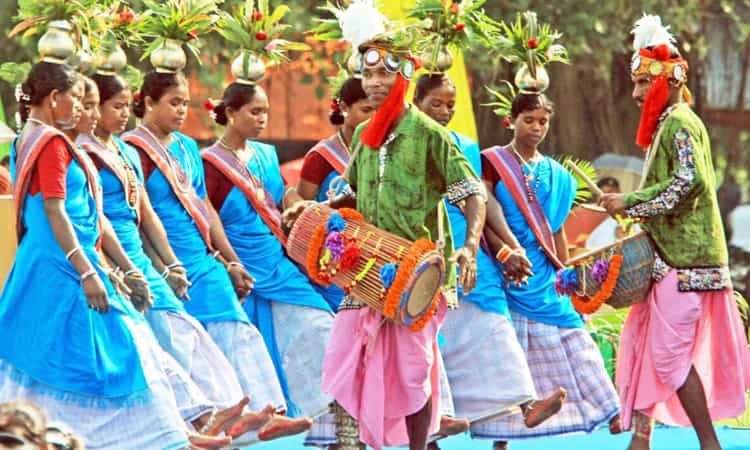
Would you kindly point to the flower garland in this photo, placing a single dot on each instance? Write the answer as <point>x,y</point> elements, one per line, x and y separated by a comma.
<point>328,241</point>
<point>405,269</point>
<point>317,241</point>
<point>590,306</point>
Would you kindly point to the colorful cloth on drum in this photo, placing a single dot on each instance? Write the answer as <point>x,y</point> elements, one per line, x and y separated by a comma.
<point>678,199</point>
<point>555,191</point>
<point>123,216</point>
<point>277,278</point>
<point>670,333</point>
<point>559,357</point>
<point>400,185</point>
<point>49,333</point>
<point>212,296</point>
<point>488,292</point>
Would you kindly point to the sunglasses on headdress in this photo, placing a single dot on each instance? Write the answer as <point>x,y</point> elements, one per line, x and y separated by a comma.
<point>14,441</point>
<point>393,63</point>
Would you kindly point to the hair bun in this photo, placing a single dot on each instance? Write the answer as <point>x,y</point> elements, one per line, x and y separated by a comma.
<point>220,114</point>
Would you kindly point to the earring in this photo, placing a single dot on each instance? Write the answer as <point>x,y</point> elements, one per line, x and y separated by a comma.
<point>54,104</point>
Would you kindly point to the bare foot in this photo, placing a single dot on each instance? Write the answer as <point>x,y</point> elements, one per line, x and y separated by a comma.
<point>433,446</point>
<point>202,441</point>
<point>500,445</point>
<point>541,410</point>
<point>250,421</point>
<point>450,426</point>
<point>615,425</point>
<point>226,416</point>
<point>282,426</point>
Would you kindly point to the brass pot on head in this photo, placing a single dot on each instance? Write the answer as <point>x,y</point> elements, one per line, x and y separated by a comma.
<point>109,61</point>
<point>531,83</point>
<point>354,63</point>
<point>57,45</point>
<point>441,63</point>
<point>169,57</point>
<point>248,67</point>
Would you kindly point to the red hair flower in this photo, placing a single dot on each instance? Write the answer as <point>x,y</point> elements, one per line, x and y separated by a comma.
<point>209,105</point>
<point>532,43</point>
<point>507,122</point>
<point>137,96</point>
<point>459,27</point>
<point>257,16</point>
<point>261,36</point>
<point>193,35</point>
<point>335,105</point>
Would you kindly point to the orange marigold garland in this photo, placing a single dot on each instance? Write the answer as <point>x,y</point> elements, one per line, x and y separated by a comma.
<point>313,254</point>
<point>405,269</point>
<point>590,306</point>
<point>351,214</point>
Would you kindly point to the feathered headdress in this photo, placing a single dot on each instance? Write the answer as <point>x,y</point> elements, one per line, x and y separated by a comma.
<point>360,22</point>
<point>656,56</point>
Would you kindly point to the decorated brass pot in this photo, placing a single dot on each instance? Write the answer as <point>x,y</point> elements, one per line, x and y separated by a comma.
<point>56,45</point>
<point>110,60</point>
<point>169,57</point>
<point>529,83</point>
<point>248,66</point>
<point>440,63</point>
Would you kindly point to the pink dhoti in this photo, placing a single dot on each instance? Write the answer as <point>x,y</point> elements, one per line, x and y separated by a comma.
<point>668,334</point>
<point>381,372</point>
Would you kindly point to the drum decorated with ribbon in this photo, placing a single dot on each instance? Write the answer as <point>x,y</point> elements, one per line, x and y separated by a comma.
<point>400,279</point>
<point>619,275</point>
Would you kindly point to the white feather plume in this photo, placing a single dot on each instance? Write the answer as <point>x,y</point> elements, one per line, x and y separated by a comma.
<point>360,22</point>
<point>649,32</point>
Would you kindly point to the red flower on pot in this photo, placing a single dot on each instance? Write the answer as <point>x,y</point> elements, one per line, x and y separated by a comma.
<point>532,43</point>
<point>261,36</point>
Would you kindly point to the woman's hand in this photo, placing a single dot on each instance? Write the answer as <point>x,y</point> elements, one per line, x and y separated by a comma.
<point>517,268</point>
<point>243,282</point>
<point>178,281</point>
<point>96,293</point>
<point>114,275</point>
<point>613,203</point>
<point>467,263</point>
<point>140,293</point>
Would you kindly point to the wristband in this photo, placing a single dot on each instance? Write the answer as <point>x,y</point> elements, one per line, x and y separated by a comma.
<point>88,274</point>
<point>504,254</point>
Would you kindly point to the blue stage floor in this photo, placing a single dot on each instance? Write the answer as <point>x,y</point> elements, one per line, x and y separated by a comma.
<point>664,439</point>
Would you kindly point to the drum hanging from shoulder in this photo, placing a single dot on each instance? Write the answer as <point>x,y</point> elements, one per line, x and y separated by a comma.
<point>619,274</point>
<point>400,279</point>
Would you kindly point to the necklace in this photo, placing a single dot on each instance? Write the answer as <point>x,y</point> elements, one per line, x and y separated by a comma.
<point>340,136</point>
<point>130,184</point>
<point>181,176</point>
<point>532,176</point>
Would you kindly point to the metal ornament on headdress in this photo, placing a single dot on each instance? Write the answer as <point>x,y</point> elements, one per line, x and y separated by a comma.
<point>57,45</point>
<point>360,22</point>
<point>650,33</point>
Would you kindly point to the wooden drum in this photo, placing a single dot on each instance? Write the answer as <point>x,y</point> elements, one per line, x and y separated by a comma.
<point>400,279</point>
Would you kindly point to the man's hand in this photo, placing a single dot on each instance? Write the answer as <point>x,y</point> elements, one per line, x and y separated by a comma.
<point>291,214</point>
<point>517,268</point>
<point>467,263</point>
<point>613,203</point>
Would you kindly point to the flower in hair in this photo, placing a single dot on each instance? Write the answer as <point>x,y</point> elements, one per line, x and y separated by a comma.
<point>209,105</point>
<point>335,105</point>
<point>138,96</point>
<point>507,123</point>
<point>21,96</point>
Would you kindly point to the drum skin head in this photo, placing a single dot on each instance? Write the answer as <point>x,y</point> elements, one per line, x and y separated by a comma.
<point>424,290</point>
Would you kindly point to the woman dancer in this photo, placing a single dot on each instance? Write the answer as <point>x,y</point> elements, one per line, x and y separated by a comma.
<point>479,333</point>
<point>93,358</point>
<point>245,186</point>
<point>534,195</point>
<point>174,182</point>
<point>127,207</point>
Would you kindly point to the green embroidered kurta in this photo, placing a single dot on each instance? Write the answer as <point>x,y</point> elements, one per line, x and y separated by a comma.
<point>678,201</point>
<point>400,186</point>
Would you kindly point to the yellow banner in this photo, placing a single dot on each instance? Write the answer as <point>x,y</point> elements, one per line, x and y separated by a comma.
<point>463,122</point>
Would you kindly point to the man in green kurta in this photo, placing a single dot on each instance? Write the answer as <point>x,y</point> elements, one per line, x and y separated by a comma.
<point>683,356</point>
<point>381,373</point>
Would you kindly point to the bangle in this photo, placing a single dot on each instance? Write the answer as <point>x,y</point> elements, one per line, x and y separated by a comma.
<point>72,252</point>
<point>88,274</point>
<point>175,265</point>
<point>166,272</point>
<point>132,272</point>
<point>235,264</point>
<point>504,254</point>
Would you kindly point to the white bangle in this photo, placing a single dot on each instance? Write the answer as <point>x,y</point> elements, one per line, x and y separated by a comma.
<point>72,252</point>
<point>88,274</point>
<point>166,272</point>
<point>235,264</point>
<point>175,265</point>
